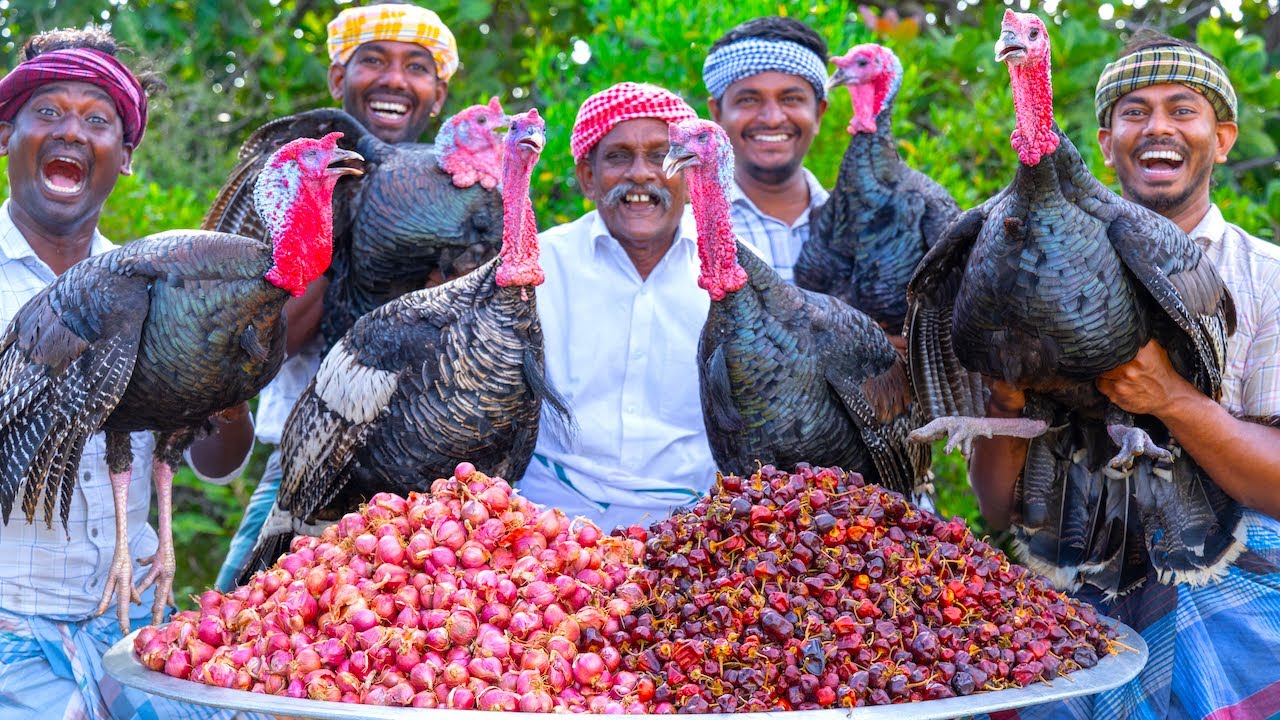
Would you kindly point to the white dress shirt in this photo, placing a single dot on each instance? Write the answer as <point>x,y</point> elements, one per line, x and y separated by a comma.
<point>41,571</point>
<point>1250,268</point>
<point>775,241</point>
<point>623,352</point>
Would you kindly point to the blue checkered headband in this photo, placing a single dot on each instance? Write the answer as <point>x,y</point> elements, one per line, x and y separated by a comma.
<point>751,56</point>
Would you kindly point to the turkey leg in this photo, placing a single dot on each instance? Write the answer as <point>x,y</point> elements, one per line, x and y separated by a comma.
<point>120,578</point>
<point>1134,442</point>
<point>961,431</point>
<point>163,565</point>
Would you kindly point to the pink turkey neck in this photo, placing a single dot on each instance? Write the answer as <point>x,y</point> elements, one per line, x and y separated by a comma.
<point>717,245</point>
<point>519,254</point>
<point>302,247</point>
<point>1033,135</point>
<point>868,101</point>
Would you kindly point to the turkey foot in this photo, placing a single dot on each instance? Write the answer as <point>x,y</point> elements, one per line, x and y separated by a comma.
<point>1134,442</point>
<point>120,578</point>
<point>961,431</point>
<point>163,565</point>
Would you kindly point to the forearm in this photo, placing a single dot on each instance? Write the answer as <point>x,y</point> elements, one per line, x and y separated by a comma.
<point>222,451</point>
<point>303,315</point>
<point>994,467</point>
<point>1242,457</point>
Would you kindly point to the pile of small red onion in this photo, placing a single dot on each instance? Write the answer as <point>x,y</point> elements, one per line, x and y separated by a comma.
<point>466,597</point>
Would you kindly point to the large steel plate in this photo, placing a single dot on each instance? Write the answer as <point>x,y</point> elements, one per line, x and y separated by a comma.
<point>1110,672</point>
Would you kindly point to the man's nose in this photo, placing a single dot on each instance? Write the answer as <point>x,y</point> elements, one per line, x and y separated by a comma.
<point>771,111</point>
<point>394,77</point>
<point>1158,123</point>
<point>70,128</point>
<point>643,169</point>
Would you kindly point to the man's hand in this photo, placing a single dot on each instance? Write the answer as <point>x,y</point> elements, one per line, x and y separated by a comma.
<point>1005,401</point>
<point>1147,384</point>
<point>230,416</point>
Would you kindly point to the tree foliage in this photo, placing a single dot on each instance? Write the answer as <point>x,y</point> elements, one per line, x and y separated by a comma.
<point>233,66</point>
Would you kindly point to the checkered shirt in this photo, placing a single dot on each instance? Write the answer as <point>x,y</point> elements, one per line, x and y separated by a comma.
<point>777,242</point>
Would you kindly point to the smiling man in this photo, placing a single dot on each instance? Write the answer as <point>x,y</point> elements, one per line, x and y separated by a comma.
<point>767,84</point>
<point>621,312</point>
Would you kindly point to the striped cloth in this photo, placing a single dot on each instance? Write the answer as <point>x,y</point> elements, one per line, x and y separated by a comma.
<point>78,65</point>
<point>356,26</point>
<point>777,242</point>
<point>602,112</point>
<point>1215,650</point>
<point>51,669</point>
<point>751,56</point>
<point>1161,65</point>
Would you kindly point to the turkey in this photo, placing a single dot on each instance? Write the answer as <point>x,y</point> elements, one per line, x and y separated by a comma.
<point>436,377</point>
<point>882,216</point>
<point>786,375</point>
<point>157,335</point>
<point>419,211</point>
<point>1045,286</point>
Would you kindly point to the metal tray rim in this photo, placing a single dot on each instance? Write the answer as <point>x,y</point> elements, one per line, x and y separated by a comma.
<point>1110,672</point>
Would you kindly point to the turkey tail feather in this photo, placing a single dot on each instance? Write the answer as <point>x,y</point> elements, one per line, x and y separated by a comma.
<point>535,376</point>
<point>718,396</point>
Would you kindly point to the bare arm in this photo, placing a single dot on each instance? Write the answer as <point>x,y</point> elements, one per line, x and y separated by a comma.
<point>1242,457</point>
<point>303,314</point>
<point>996,463</point>
<point>223,451</point>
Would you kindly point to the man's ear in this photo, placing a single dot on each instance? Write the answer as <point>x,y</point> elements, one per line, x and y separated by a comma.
<point>1226,133</point>
<point>1104,142</point>
<point>126,161</point>
<point>822,108</point>
<point>337,75</point>
<point>586,177</point>
<point>6,132</point>
<point>713,109</point>
<point>442,92</point>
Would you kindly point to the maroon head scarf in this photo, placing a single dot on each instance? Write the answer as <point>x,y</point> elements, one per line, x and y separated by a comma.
<point>78,65</point>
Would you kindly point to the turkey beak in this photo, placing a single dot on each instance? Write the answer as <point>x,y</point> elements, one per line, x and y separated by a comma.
<point>1008,49</point>
<point>534,141</point>
<point>838,78</point>
<point>341,155</point>
<point>678,159</point>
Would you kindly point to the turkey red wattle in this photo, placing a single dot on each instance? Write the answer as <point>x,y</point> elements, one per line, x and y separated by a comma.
<point>873,75</point>
<point>468,147</point>
<point>519,254</point>
<point>701,149</point>
<point>294,196</point>
<point>1024,47</point>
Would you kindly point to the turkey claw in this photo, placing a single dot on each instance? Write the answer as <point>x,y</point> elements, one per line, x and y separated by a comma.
<point>962,431</point>
<point>1134,442</point>
<point>161,576</point>
<point>119,585</point>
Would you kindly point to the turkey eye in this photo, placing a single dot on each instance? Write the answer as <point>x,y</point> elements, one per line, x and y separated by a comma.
<point>1035,34</point>
<point>702,137</point>
<point>481,120</point>
<point>862,62</point>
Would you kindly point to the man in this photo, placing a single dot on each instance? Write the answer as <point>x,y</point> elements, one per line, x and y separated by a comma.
<point>621,312</point>
<point>390,67</point>
<point>767,84</point>
<point>71,116</point>
<point>1167,112</point>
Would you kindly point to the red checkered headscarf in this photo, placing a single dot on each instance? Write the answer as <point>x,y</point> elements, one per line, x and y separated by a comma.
<point>78,65</point>
<point>624,101</point>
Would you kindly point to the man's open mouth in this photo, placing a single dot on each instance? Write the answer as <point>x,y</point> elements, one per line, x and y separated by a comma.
<point>63,175</point>
<point>771,137</point>
<point>1160,160</point>
<point>639,200</point>
<point>388,110</point>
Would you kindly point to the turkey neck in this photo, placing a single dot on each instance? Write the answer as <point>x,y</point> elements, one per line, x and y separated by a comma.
<point>519,254</point>
<point>871,166</point>
<point>1033,136</point>
<point>720,272</point>
<point>301,238</point>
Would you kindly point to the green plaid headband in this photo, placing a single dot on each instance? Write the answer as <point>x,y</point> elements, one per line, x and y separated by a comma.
<point>1160,65</point>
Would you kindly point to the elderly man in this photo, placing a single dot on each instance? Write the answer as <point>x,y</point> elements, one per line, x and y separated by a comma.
<point>621,312</point>
<point>71,116</point>
<point>1167,113</point>
<point>767,81</point>
<point>391,66</point>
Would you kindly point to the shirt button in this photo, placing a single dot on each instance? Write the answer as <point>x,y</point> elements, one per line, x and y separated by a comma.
<point>93,532</point>
<point>631,409</point>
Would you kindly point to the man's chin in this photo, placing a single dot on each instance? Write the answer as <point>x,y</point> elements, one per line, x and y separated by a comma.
<point>773,173</point>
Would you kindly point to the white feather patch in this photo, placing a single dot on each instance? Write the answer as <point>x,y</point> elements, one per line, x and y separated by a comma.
<point>354,391</point>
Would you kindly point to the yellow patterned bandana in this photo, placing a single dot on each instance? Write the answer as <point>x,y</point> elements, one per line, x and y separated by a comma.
<point>403,23</point>
<point>1161,65</point>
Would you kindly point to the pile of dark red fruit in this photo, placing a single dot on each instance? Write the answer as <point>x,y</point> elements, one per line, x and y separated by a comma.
<point>809,590</point>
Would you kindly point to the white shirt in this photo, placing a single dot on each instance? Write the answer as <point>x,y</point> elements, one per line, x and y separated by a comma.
<point>41,571</point>
<point>623,352</point>
<point>277,399</point>
<point>777,242</point>
<point>1250,268</point>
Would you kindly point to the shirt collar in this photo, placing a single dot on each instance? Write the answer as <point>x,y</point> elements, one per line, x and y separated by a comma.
<point>1211,227</point>
<point>817,196</point>
<point>14,245</point>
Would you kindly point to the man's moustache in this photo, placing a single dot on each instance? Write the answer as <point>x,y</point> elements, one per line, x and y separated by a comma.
<point>619,192</point>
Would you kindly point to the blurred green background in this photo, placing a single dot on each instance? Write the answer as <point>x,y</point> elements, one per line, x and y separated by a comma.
<point>233,66</point>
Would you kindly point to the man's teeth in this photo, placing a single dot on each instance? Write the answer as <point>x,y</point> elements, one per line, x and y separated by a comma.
<point>62,189</point>
<point>397,108</point>
<point>1161,155</point>
<point>638,198</point>
<point>773,137</point>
